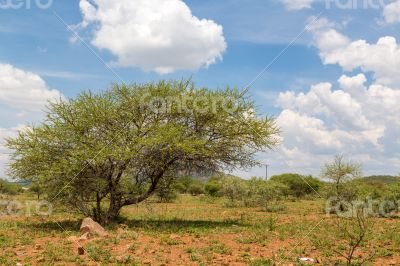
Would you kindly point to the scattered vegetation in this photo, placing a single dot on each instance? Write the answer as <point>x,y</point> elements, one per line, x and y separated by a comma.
<point>8,188</point>
<point>118,146</point>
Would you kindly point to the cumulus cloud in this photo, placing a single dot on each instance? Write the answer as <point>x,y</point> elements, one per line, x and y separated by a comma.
<point>4,152</point>
<point>154,35</point>
<point>26,94</point>
<point>391,12</point>
<point>360,116</point>
<point>24,90</point>
<point>381,58</point>
<point>354,119</point>
<point>297,4</point>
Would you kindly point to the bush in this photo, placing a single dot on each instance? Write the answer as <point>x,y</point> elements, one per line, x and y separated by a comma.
<point>393,198</point>
<point>260,192</point>
<point>234,188</point>
<point>166,191</point>
<point>213,187</point>
<point>255,192</point>
<point>37,189</point>
<point>196,188</point>
<point>299,186</point>
<point>183,183</point>
<point>9,188</point>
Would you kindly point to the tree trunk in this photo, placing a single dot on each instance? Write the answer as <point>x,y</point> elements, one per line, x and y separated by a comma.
<point>97,210</point>
<point>112,213</point>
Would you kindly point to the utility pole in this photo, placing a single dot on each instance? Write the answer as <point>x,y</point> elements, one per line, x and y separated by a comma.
<point>266,172</point>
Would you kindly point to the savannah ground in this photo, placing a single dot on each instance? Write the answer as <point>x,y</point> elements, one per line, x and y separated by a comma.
<point>199,230</point>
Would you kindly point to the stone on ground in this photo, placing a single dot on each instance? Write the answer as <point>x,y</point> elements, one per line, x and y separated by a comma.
<point>93,228</point>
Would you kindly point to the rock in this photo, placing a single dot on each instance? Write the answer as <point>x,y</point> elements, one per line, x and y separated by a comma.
<point>90,226</point>
<point>306,259</point>
<point>18,264</point>
<point>85,236</point>
<point>81,251</point>
<point>19,253</point>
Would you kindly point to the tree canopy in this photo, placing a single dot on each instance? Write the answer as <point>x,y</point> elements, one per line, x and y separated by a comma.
<point>299,186</point>
<point>102,151</point>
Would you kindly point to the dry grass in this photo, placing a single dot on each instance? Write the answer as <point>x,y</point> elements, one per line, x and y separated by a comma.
<point>193,231</point>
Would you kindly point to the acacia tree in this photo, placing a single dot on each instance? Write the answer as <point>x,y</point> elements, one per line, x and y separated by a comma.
<point>341,171</point>
<point>100,152</point>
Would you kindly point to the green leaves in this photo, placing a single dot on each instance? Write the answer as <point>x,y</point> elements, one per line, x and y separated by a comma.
<point>138,134</point>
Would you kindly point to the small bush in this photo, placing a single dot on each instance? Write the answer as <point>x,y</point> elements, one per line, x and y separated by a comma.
<point>9,188</point>
<point>196,188</point>
<point>213,187</point>
<point>166,191</point>
<point>275,208</point>
<point>299,186</point>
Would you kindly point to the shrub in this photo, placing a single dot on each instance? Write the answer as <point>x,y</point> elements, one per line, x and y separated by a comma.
<point>183,183</point>
<point>261,192</point>
<point>393,199</point>
<point>298,185</point>
<point>166,191</point>
<point>37,189</point>
<point>234,188</point>
<point>196,188</point>
<point>213,187</point>
<point>9,188</point>
<point>255,192</point>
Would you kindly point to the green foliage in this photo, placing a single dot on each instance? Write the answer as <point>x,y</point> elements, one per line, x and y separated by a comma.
<point>183,183</point>
<point>366,190</point>
<point>37,189</point>
<point>298,185</point>
<point>340,172</point>
<point>381,180</point>
<point>189,185</point>
<point>392,198</point>
<point>354,232</point>
<point>116,146</point>
<point>213,186</point>
<point>166,191</point>
<point>262,193</point>
<point>9,188</point>
<point>255,192</point>
<point>196,188</point>
<point>234,188</point>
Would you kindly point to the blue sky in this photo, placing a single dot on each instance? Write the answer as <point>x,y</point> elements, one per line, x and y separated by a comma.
<point>295,89</point>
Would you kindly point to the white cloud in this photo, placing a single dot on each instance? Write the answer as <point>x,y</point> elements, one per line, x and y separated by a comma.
<point>4,152</point>
<point>26,94</point>
<point>355,119</point>
<point>321,100</point>
<point>297,4</point>
<point>155,35</point>
<point>302,131</point>
<point>23,90</point>
<point>391,12</point>
<point>353,85</point>
<point>381,58</point>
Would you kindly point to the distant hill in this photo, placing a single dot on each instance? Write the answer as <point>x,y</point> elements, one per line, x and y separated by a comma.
<point>381,179</point>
